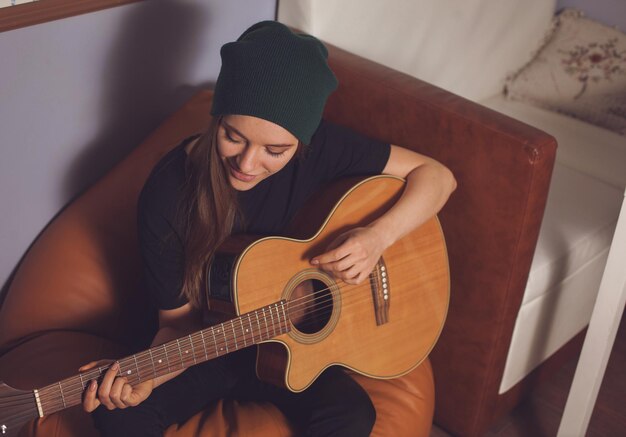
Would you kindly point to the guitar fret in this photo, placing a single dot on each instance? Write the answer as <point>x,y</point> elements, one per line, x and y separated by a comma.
<point>82,383</point>
<point>251,328</point>
<point>206,356</point>
<point>243,332</point>
<point>160,360</point>
<point>152,361</point>
<point>62,395</point>
<point>267,329</point>
<point>183,351</point>
<point>217,354</point>
<point>258,322</point>
<point>137,367</point>
<point>273,324</point>
<point>225,339</point>
<point>232,326</point>
<point>280,327</point>
<point>180,354</point>
<point>282,305</point>
<point>193,350</point>
<point>167,358</point>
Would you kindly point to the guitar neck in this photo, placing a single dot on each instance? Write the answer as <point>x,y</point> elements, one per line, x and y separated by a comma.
<point>247,330</point>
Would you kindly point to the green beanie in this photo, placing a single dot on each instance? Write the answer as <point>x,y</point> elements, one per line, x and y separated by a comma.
<point>277,75</point>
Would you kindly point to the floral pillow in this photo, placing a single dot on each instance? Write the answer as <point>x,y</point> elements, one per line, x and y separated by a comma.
<point>580,71</point>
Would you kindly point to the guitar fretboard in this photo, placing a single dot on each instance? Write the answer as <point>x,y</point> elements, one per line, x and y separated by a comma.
<point>241,332</point>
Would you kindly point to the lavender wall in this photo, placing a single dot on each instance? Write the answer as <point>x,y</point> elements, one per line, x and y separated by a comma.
<point>76,95</point>
<point>611,12</point>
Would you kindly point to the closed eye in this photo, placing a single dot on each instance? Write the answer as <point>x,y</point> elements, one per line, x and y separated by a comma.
<point>274,154</point>
<point>230,138</point>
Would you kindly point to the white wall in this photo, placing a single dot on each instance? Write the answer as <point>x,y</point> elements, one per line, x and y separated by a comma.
<point>465,46</point>
<point>76,95</point>
<point>609,12</point>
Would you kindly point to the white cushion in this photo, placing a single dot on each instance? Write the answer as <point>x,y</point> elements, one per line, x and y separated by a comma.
<point>578,224</point>
<point>545,324</point>
<point>574,240</point>
<point>583,146</point>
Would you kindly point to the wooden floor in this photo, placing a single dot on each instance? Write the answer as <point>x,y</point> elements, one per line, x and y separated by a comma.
<point>540,414</point>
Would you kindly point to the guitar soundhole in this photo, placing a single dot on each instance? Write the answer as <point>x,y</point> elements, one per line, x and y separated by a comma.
<point>310,306</point>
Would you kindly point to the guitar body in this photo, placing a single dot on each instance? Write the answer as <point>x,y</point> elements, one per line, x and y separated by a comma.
<point>381,328</point>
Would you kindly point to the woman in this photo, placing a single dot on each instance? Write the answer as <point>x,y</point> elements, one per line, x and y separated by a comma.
<point>266,151</point>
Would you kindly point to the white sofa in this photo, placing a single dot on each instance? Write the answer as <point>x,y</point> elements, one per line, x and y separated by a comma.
<point>469,48</point>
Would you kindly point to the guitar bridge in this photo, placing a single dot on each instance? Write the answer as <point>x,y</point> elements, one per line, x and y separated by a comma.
<point>381,292</point>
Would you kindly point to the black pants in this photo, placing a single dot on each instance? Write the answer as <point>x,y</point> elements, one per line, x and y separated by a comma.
<point>334,405</point>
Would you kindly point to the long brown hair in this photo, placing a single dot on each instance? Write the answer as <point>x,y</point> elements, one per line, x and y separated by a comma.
<point>208,210</point>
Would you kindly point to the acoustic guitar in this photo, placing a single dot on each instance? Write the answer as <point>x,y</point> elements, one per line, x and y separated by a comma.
<point>302,319</point>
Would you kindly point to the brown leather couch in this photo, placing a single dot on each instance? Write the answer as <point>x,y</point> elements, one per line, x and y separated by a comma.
<point>76,295</point>
<point>491,223</point>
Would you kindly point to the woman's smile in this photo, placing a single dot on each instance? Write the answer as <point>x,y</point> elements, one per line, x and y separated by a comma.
<point>253,149</point>
<point>236,173</point>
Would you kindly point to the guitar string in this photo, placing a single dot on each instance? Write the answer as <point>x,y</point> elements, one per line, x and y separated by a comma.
<point>21,420</point>
<point>57,404</point>
<point>18,394</point>
<point>98,372</point>
<point>18,420</point>
<point>323,290</point>
<point>144,366</point>
<point>147,362</point>
<point>13,402</point>
<point>184,364</point>
<point>29,396</point>
<point>21,415</point>
<point>290,307</point>
<point>306,300</point>
<point>302,303</point>
<point>374,272</point>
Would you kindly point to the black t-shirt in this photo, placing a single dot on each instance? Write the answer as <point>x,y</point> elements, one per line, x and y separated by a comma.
<point>268,207</point>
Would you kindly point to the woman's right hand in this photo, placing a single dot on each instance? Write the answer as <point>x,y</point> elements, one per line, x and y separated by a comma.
<point>114,391</point>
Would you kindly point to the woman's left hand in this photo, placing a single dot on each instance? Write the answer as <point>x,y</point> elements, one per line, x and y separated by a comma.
<point>353,255</point>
